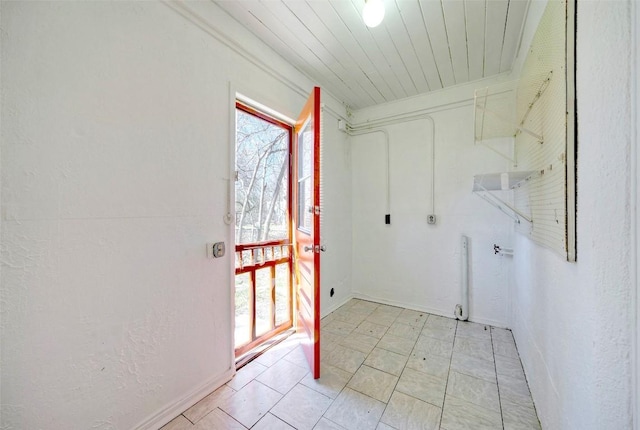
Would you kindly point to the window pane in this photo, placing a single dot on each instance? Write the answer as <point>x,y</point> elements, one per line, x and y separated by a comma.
<point>262,163</point>
<point>305,176</point>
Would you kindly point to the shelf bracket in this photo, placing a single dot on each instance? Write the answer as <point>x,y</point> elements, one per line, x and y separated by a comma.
<point>498,203</point>
<point>519,127</point>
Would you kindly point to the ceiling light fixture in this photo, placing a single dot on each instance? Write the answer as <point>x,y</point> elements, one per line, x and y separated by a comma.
<point>373,12</point>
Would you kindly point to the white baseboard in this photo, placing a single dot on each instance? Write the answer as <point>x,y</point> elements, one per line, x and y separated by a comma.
<point>413,306</point>
<point>169,412</point>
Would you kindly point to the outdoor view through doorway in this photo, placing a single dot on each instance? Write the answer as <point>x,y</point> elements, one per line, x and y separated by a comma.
<point>277,228</point>
<point>263,299</point>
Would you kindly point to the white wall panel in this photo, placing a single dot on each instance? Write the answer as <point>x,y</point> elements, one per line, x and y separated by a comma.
<point>116,131</point>
<point>411,263</point>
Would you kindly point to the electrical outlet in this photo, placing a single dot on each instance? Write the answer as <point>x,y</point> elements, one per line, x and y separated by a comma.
<point>215,250</point>
<point>431,219</point>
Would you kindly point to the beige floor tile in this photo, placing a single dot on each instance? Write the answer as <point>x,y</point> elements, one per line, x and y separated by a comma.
<point>381,319</point>
<point>434,346</point>
<point>501,334</point>
<point>371,329</point>
<point>276,352</point>
<point>422,386</point>
<point>344,358</point>
<point>437,320</point>
<point>474,390</point>
<point>388,310</point>
<point>514,391</point>
<point>325,424</point>
<point>251,403</point>
<point>439,332</point>
<point>332,380</point>
<point>472,366</point>
<point>387,361</point>
<point>396,344</point>
<point>470,329</point>
<point>374,383</point>
<point>296,356</point>
<point>509,367</point>
<point>271,422</point>
<point>413,318</point>
<point>353,410</point>
<point>404,330</point>
<point>460,415</point>
<point>351,317</point>
<point>245,375</point>
<point>341,328</point>
<point>218,420</point>
<point>360,342</point>
<point>409,413</point>
<point>329,341</point>
<point>178,423</point>
<point>326,320</point>
<point>364,306</point>
<point>434,365</point>
<point>367,362</point>
<point>209,403</point>
<point>506,349</point>
<point>474,347</point>
<point>282,376</point>
<point>302,407</point>
<point>516,417</point>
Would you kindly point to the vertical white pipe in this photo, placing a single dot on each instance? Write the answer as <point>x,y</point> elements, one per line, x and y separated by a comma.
<point>462,310</point>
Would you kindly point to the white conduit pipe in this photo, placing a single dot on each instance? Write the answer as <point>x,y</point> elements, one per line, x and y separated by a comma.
<point>462,310</point>
<point>388,169</point>
<point>377,124</point>
<point>409,118</point>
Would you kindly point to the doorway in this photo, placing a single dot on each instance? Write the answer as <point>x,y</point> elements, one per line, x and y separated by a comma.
<point>277,241</point>
<point>263,284</point>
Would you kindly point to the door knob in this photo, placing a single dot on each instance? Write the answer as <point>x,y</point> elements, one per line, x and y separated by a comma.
<point>323,248</point>
<point>308,248</point>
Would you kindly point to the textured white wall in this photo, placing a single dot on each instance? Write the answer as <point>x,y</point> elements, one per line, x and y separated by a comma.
<point>335,262</point>
<point>573,322</point>
<point>115,160</point>
<point>409,262</point>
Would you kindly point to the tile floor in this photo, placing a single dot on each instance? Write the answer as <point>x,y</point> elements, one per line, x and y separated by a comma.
<point>382,367</point>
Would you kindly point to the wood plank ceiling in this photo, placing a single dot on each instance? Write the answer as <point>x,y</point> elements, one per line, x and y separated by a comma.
<point>421,45</point>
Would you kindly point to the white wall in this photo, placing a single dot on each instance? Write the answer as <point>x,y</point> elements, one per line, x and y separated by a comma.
<point>335,262</point>
<point>410,263</point>
<point>573,322</point>
<point>115,161</point>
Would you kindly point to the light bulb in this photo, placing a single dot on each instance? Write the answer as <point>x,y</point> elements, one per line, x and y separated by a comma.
<point>373,12</point>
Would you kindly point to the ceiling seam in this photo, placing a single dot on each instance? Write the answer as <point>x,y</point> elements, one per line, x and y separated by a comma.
<point>413,46</point>
<point>433,55</point>
<point>355,39</point>
<point>342,46</point>
<point>312,52</point>
<point>446,32</point>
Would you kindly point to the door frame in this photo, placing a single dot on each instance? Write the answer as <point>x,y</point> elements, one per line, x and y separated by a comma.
<point>283,244</point>
<point>240,93</point>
